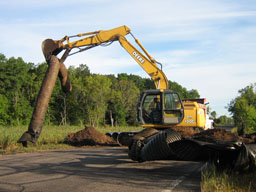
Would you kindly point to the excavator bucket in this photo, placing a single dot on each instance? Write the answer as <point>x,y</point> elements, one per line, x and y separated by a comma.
<point>55,68</point>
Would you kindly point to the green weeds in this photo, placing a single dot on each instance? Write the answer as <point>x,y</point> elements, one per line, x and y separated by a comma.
<point>213,180</point>
<point>52,137</point>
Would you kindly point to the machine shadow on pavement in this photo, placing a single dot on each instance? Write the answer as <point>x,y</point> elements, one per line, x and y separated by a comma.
<point>91,169</point>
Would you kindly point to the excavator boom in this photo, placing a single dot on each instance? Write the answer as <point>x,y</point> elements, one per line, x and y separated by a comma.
<point>147,63</point>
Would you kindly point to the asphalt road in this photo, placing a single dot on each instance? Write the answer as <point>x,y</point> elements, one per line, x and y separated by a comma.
<point>94,169</point>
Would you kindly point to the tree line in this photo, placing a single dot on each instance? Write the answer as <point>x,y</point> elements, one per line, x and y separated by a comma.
<point>95,99</point>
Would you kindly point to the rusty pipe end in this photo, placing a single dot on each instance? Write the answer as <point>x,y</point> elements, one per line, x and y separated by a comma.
<point>64,78</point>
<point>49,48</point>
<point>26,137</point>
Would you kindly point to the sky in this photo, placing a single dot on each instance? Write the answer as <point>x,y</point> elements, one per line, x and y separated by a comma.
<point>207,45</point>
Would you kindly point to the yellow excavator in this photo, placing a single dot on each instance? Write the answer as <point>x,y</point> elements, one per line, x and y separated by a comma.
<point>157,108</point>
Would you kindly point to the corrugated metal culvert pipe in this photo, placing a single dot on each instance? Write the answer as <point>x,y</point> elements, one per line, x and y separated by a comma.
<point>154,147</point>
<point>168,144</point>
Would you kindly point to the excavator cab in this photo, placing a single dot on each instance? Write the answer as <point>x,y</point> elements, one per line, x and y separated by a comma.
<point>159,107</point>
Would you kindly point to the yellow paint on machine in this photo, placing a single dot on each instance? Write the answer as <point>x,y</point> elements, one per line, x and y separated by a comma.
<point>194,115</point>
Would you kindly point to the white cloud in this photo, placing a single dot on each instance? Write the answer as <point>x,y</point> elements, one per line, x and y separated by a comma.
<point>218,82</point>
<point>21,42</point>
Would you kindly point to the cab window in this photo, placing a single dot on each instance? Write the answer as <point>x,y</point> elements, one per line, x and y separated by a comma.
<point>152,109</point>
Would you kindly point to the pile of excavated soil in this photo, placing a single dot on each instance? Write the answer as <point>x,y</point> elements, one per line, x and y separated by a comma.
<point>220,135</point>
<point>88,136</point>
<point>215,134</point>
<point>211,135</point>
<point>186,132</point>
<point>251,136</point>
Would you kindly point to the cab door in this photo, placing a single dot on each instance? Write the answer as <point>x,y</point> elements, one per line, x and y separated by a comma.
<point>160,108</point>
<point>173,112</point>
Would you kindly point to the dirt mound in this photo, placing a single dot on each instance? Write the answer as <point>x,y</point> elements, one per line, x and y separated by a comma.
<point>186,132</point>
<point>88,136</point>
<point>212,135</point>
<point>215,134</point>
<point>251,136</point>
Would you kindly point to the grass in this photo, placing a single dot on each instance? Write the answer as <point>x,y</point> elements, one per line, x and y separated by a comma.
<point>52,137</point>
<point>228,182</point>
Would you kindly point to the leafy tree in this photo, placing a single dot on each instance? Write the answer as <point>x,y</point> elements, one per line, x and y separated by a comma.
<point>97,93</point>
<point>223,120</point>
<point>124,102</point>
<point>243,109</point>
<point>4,105</point>
<point>183,92</point>
<point>81,71</point>
<point>76,100</point>
<point>141,83</point>
<point>192,94</point>
<point>15,81</point>
<point>214,114</point>
<point>2,58</point>
<point>148,84</point>
<point>116,113</point>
